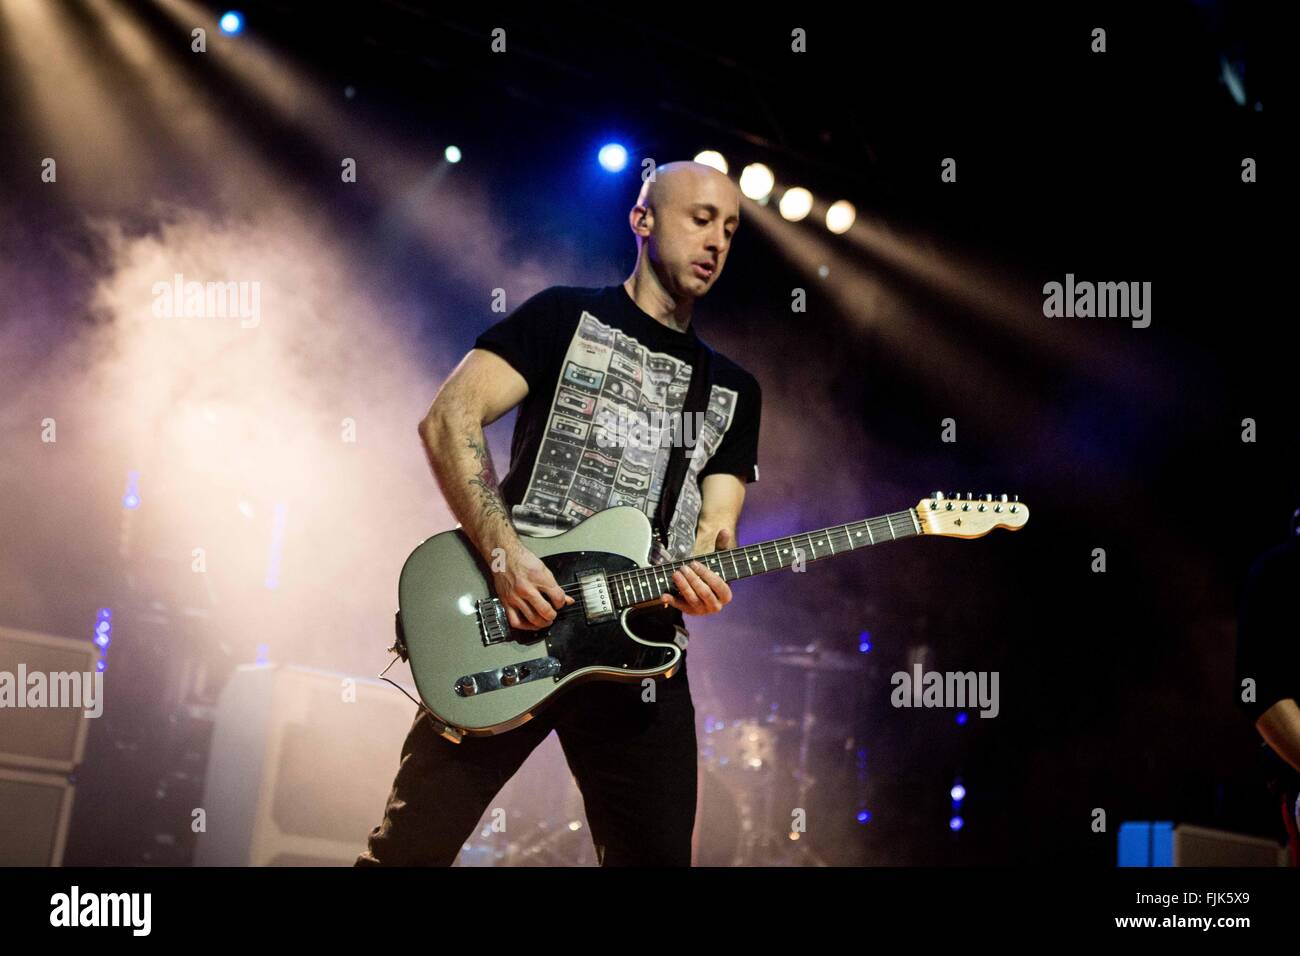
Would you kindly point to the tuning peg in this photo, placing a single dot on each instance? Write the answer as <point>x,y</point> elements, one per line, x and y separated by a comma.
<point>988,497</point>
<point>937,496</point>
<point>1004,497</point>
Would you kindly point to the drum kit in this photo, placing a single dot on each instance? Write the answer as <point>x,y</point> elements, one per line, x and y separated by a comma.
<point>757,771</point>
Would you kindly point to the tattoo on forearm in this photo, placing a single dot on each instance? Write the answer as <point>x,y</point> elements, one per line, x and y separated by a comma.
<point>486,481</point>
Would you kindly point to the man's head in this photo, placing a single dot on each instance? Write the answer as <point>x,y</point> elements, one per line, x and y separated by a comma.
<point>684,217</point>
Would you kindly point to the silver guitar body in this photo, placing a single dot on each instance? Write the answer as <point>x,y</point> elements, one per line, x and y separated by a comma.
<point>479,677</point>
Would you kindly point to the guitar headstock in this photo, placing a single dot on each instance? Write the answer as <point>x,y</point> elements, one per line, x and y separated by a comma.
<point>969,517</point>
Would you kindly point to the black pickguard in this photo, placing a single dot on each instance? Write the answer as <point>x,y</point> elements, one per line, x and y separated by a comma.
<point>577,644</point>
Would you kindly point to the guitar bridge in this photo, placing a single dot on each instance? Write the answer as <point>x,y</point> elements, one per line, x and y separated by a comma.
<point>492,621</point>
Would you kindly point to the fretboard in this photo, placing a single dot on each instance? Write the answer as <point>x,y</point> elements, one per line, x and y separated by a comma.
<point>645,584</point>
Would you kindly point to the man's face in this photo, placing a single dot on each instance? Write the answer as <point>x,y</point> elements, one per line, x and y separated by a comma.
<point>694,223</point>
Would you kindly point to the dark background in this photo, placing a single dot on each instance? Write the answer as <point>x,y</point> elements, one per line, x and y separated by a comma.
<point>1117,689</point>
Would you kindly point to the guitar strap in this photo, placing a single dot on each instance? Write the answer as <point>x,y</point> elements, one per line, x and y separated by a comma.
<point>695,405</point>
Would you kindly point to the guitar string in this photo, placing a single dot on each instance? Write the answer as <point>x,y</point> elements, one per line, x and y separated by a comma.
<point>581,605</point>
<point>653,571</point>
<point>837,530</point>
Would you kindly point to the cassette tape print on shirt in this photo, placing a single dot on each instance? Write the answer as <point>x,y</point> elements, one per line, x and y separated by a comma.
<point>605,445</point>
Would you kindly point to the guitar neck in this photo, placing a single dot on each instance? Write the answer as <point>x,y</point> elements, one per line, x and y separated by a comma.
<point>634,587</point>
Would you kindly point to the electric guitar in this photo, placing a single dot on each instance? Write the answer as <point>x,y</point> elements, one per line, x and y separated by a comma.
<point>478,676</point>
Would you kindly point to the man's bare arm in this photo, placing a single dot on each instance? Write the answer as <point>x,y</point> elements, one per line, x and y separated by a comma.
<point>702,590</point>
<point>1280,727</point>
<point>721,499</point>
<point>481,389</point>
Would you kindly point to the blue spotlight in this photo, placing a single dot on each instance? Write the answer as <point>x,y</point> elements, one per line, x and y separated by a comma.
<point>864,816</point>
<point>955,824</point>
<point>231,23</point>
<point>962,717</point>
<point>864,641</point>
<point>103,635</point>
<point>131,499</point>
<point>613,157</point>
<point>958,793</point>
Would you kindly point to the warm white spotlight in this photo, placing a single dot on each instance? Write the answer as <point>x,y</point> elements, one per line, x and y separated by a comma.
<point>711,157</point>
<point>756,181</point>
<point>840,216</point>
<point>796,203</point>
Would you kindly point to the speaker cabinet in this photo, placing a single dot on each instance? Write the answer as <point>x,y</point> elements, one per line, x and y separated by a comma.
<point>44,738</point>
<point>1201,846</point>
<point>34,812</point>
<point>300,767</point>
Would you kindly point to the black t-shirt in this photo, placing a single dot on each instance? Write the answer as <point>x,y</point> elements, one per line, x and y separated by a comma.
<point>603,378</point>
<point>1268,635</point>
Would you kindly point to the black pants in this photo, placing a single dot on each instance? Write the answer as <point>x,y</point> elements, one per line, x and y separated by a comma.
<point>634,761</point>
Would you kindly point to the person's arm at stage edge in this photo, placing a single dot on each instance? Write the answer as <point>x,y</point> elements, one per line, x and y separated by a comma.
<point>481,389</point>
<point>1280,728</point>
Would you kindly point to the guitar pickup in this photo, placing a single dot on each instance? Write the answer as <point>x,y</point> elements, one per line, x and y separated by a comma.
<point>595,597</point>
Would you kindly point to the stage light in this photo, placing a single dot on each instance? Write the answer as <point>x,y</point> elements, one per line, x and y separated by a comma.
<point>613,157</point>
<point>956,823</point>
<point>232,22</point>
<point>864,641</point>
<point>103,633</point>
<point>756,181</point>
<point>131,497</point>
<point>795,204</point>
<point>863,816</point>
<point>839,218</point>
<point>958,793</point>
<point>711,157</point>
<point>452,154</point>
<point>962,717</point>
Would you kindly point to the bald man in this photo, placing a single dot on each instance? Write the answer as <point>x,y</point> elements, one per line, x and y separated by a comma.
<point>597,374</point>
